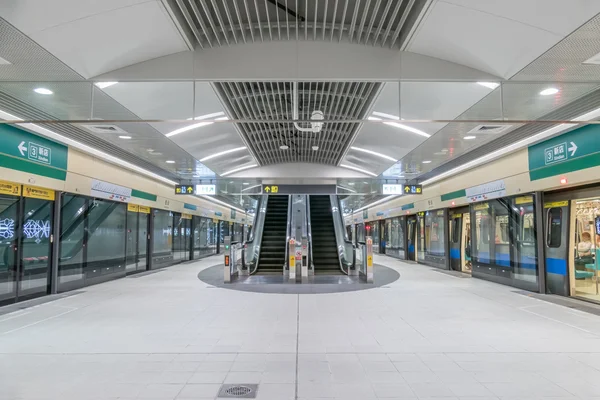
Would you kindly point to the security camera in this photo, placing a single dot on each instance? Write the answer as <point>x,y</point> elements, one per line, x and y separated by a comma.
<point>317,116</point>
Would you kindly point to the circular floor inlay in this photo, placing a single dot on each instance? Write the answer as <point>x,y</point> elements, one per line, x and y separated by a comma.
<point>318,284</point>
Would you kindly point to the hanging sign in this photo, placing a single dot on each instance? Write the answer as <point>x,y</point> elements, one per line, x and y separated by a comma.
<point>13,189</point>
<point>184,189</point>
<point>38,193</point>
<point>109,191</point>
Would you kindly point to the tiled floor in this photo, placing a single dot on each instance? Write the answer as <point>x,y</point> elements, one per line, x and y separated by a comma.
<point>428,335</point>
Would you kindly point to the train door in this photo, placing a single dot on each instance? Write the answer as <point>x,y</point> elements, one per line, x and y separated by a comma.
<point>383,236</point>
<point>556,242</point>
<point>411,237</point>
<point>466,243</point>
<point>460,252</point>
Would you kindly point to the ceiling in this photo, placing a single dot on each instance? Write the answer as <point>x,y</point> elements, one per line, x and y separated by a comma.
<point>70,41</point>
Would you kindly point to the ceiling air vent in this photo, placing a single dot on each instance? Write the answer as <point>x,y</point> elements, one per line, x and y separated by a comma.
<point>489,129</point>
<point>103,128</point>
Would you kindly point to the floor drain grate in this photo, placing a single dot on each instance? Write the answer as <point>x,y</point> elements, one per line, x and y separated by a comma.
<point>238,391</point>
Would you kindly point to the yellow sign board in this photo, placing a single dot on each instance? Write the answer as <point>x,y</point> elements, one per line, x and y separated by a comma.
<point>10,188</point>
<point>292,261</point>
<point>38,193</point>
<point>481,206</point>
<point>186,216</point>
<point>369,261</point>
<point>524,200</point>
<point>216,221</point>
<point>144,209</point>
<point>554,204</point>
<point>272,189</point>
<point>133,208</point>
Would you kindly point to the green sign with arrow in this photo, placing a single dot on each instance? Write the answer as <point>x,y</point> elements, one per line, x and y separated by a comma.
<point>571,151</point>
<point>27,152</point>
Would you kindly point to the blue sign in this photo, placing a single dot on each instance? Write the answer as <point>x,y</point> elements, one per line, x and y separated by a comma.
<point>379,214</point>
<point>190,206</point>
<point>218,213</point>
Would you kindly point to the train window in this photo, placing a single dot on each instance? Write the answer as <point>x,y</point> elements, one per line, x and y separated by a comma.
<point>501,229</point>
<point>456,222</point>
<point>554,223</point>
<point>485,230</point>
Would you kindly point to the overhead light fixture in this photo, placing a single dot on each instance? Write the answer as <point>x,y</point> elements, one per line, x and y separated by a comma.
<point>245,183</point>
<point>375,203</point>
<point>374,153</point>
<point>124,137</point>
<point>104,85</point>
<point>357,169</point>
<point>351,183</point>
<point>42,90</point>
<point>208,116</point>
<point>346,188</point>
<point>222,153</point>
<point>4,61</point>
<point>489,85</point>
<point>84,148</point>
<point>315,148</point>
<point>549,91</point>
<point>213,200</point>
<point>170,162</point>
<point>426,162</point>
<point>397,124</point>
<point>470,137</point>
<point>188,128</point>
<point>239,169</point>
<point>284,147</point>
<point>563,181</point>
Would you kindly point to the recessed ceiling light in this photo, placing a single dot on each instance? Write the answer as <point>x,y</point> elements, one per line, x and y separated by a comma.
<point>549,91</point>
<point>42,90</point>
<point>469,137</point>
<point>103,85</point>
<point>351,183</point>
<point>284,147</point>
<point>170,162</point>
<point>373,153</point>
<point>124,137</point>
<point>489,85</point>
<point>245,183</point>
<point>315,148</point>
<point>222,153</point>
<point>426,161</point>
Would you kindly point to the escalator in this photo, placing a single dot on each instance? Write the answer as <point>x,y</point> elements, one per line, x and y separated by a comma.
<point>325,255</point>
<point>274,240</point>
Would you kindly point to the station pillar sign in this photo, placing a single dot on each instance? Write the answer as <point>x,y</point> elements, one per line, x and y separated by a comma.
<point>369,269</point>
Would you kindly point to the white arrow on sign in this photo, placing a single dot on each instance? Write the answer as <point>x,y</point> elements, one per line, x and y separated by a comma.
<point>22,148</point>
<point>572,149</point>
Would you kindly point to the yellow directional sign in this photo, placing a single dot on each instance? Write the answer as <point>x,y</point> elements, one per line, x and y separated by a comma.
<point>369,261</point>
<point>268,189</point>
<point>274,189</point>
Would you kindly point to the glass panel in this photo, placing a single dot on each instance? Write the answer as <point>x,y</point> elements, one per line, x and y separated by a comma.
<point>481,248</point>
<point>132,239</point>
<point>162,238</point>
<point>502,250</point>
<point>422,239</point>
<point>238,232</point>
<point>554,227</point>
<point>178,233</point>
<point>72,229</point>
<point>455,229</point>
<point>434,238</point>
<point>360,233</point>
<point>526,263</point>
<point>142,241</point>
<point>37,228</point>
<point>106,238</point>
<point>400,229</point>
<point>8,237</point>
<point>586,250</point>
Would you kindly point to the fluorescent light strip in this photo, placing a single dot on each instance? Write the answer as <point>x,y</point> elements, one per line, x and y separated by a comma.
<point>239,169</point>
<point>103,85</point>
<point>375,203</point>
<point>213,200</point>
<point>80,146</point>
<point>346,188</point>
<point>373,153</point>
<point>188,128</point>
<point>489,85</point>
<point>251,187</point>
<point>222,153</point>
<point>357,169</point>
<point>207,116</point>
<point>397,124</point>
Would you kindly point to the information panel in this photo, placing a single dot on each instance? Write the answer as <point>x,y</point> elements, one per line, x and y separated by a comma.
<point>298,189</point>
<point>184,189</point>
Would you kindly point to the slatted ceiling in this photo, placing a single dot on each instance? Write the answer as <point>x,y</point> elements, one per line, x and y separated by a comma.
<point>384,23</point>
<point>267,101</point>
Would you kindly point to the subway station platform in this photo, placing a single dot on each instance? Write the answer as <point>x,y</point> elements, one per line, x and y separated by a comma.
<point>168,335</point>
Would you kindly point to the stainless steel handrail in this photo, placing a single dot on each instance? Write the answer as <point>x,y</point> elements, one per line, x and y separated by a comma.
<point>344,245</point>
<point>309,233</point>
<point>288,233</point>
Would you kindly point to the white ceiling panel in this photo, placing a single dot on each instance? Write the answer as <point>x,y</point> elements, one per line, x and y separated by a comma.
<point>491,43</point>
<point>113,39</point>
<point>557,16</point>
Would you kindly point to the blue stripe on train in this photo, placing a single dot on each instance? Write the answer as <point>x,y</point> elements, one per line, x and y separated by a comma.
<point>503,259</point>
<point>556,266</point>
<point>483,257</point>
<point>528,262</point>
<point>455,254</point>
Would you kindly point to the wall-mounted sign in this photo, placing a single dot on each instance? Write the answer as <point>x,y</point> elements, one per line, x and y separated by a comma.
<point>218,213</point>
<point>186,216</point>
<point>299,189</point>
<point>208,190</point>
<point>392,189</point>
<point>190,206</point>
<point>233,214</point>
<point>487,191</point>
<point>133,208</point>
<point>366,213</point>
<point>38,193</point>
<point>524,200</point>
<point>10,188</point>
<point>556,204</point>
<point>184,189</point>
<point>144,209</point>
<point>481,206</point>
<point>109,191</point>
<point>413,189</point>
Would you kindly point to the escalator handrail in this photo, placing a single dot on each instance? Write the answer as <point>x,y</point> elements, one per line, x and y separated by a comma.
<point>258,228</point>
<point>288,233</point>
<point>339,230</point>
<point>309,232</point>
<point>253,229</point>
